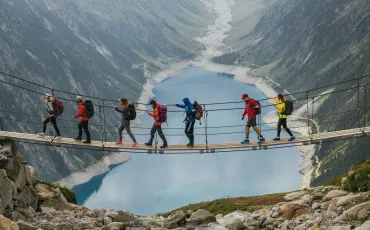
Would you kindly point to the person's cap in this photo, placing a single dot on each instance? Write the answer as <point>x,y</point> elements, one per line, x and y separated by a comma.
<point>244,95</point>
<point>47,95</point>
<point>78,98</point>
<point>152,102</point>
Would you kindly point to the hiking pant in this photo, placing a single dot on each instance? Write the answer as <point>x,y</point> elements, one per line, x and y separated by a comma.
<point>53,121</point>
<point>189,131</point>
<point>125,124</point>
<point>157,128</point>
<point>85,126</point>
<point>282,122</point>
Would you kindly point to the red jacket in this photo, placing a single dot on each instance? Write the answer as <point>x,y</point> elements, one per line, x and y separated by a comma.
<point>155,115</point>
<point>81,113</point>
<point>249,108</point>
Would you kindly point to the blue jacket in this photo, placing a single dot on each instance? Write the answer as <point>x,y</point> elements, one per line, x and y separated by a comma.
<point>189,109</point>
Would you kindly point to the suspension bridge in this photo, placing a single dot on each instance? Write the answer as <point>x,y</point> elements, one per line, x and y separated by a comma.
<point>353,122</point>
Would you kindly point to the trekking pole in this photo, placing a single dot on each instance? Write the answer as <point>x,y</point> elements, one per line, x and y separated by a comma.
<point>206,127</point>
<point>105,133</point>
<point>101,127</point>
<point>358,103</point>
<point>1,125</point>
<point>365,103</point>
<point>308,116</point>
<point>156,142</point>
<point>313,111</point>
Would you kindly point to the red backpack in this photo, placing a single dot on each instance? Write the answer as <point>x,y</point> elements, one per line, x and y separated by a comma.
<point>58,107</point>
<point>162,112</point>
<point>199,110</point>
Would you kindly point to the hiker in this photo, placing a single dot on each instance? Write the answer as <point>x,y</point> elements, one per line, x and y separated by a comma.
<point>84,120</point>
<point>251,107</point>
<point>157,126</point>
<point>54,108</point>
<point>189,119</point>
<point>125,121</point>
<point>283,115</point>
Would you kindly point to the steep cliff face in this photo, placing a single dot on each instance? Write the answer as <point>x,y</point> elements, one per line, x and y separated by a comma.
<point>301,45</point>
<point>97,48</point>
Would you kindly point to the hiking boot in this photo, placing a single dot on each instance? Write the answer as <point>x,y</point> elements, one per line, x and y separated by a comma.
<point>134,144</point>
<point>118,143</point>
<point>261,140</point>
<point>149,144</point>
<point>87,142</point>
<point>276,139</point>
<point>246,141</point>
<point>164,146</point>
<point>291,138</point>
<point>190,145</point>
<point>78,138</point>
<point>41,134</point>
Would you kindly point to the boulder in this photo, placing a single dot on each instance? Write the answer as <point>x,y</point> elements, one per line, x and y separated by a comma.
<point>6,224</point>
<point>364,226</point>
<point>121,216</point>
<point>295,195</point>
<point>118,225</point>
<point>21,178</point>
<point>233,219</point>
<point>342,201</point>
<point>27,197</point>
<point>176,219</point>
<point>7,189</point>
<point>26,226</point>
<point>107,220</point>
<point>355,213</point>
<point>29,175</point>
<point>334,193</point>
<point>44,191</point>
<point>292,210</point>
<point>346,227</point>
<point>332,208</point>
<point>201,216</point>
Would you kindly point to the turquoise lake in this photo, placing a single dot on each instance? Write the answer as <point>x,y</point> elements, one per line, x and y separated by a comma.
<point>150,184</point>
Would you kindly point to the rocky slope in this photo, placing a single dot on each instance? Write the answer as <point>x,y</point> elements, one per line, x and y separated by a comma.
<point>30,205</point>
<point>103,49</point>
<point>300,45</point>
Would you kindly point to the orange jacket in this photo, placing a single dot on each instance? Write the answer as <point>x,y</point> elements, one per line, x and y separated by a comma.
<point>81,113</point>
<point>155,115</point>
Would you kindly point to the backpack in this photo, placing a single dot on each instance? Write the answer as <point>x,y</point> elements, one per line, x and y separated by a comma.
<point>162,112</point>
<point>89,108</point>
<point>199,110</point>
<point>257,110</point>
<point>58,107</point>
<point>288,108</point>
<point>130,112</point>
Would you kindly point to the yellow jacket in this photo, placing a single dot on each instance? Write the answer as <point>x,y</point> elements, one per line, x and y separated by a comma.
<point>280,105</point>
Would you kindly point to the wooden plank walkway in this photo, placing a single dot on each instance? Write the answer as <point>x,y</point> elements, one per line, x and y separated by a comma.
<point>348,133</point>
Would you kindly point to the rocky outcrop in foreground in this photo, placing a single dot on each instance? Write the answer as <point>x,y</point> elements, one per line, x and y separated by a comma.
<point>28,205</point>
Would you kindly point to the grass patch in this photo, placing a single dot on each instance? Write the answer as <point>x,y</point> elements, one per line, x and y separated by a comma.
<point>227,205</point>
<point>356,180</point>
<point>68,194</point>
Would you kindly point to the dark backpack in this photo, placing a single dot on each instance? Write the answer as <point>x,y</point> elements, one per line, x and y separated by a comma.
<point>199,110</point>
<point>130,112</point>
<point>162,110</point>
<point>288,108</point>
<point>257,110</point>
<point>58,107</point>
<point>89,107</point>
